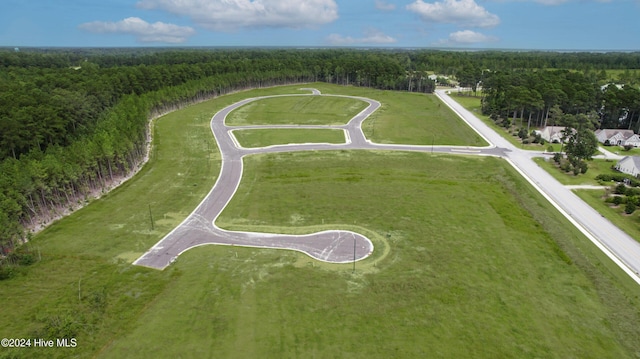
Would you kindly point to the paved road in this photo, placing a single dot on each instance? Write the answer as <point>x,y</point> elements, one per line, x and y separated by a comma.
<point>619,246</point>
<point>336,246</point>
<point>345,246</point>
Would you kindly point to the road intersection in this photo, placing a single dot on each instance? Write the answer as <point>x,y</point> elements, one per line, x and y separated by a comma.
<point>340,246</point>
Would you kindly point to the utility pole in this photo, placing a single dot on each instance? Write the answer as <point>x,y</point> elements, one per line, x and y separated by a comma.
<point>354,254</point>
<point>151,217</point>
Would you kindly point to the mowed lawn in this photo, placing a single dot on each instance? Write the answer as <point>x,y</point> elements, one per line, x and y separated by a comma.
<point>476,264</point>
<point>251,138</point>
<point>420,119</point>
<point>298,110</point>
<point>479,266</point>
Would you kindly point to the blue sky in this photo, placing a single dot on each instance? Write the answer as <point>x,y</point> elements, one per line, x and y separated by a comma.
<point>500,24</point>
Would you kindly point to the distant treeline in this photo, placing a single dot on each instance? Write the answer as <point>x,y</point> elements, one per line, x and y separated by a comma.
<point>72,119</point>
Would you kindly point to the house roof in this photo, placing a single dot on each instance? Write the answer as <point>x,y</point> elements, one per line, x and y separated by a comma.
<point>608,133</point>
<point>553,129</point>
<point>633,159</point>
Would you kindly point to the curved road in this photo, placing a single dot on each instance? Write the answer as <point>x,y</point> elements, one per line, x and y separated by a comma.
<point>337,246</point>
<point>340,246</point>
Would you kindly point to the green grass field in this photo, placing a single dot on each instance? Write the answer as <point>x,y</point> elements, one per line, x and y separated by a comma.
<point>477,265</point>
<point>420,119</point>
<point>267,137</point>
<point>303,110</point>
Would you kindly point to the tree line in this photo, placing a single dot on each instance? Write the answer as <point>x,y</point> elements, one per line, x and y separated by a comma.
<point>559,97</point>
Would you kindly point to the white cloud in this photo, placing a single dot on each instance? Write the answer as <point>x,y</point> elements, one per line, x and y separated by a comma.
<point>460,12</point>
<point>142,30</point>
<point>371,37</point>
<point>554,2</point>
<point>467,37</point>
<point>229,15</point>
<point>385,6</point>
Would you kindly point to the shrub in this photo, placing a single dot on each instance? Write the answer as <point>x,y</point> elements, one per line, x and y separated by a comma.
<point>630,207</point>
<point>522,133</point>
<point>628,147</point>
<point>617,200</point>
<point>6,272</point>
<point>584,167</point>
<point>618,177</point>
<point>557,157</point>
<point>550,148</point>
<point>620,189</point>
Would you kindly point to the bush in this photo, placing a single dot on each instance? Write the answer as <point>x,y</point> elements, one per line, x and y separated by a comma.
<point>21,259</point>
<point>630,207</point>
<point>617,200</point>
<point>584,167</point>
<point>618,177</point>
<point>628,147</point>
<point>522,133</point>
<point>6,272</point>
<point>620,189</point>
<point>557,157</point>
<point>550,149</point>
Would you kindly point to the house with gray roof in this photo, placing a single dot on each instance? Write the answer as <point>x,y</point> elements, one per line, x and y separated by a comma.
<point>614,137</point>
<point>629,165</point>
<point>552,134</point>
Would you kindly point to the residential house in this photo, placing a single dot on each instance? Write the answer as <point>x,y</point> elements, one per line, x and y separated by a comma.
<point>613,137</point>
<point>629,165</point>
<point>552,134</point>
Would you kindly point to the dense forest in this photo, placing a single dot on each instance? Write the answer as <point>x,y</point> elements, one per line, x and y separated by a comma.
<point>73,119</point>
<point>557,97</point>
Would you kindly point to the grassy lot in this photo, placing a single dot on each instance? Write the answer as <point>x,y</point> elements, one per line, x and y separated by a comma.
<point>596,167</point>
<point>429,121</point>
<point>303,110</point>
<point>478,263</point>
<point>266,137</point>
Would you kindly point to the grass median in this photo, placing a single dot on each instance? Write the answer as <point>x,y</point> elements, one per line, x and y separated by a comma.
<point>297,110</point>
<point>252,138</point>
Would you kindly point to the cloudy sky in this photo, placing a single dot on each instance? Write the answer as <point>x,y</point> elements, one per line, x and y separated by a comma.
<point>501,24</point>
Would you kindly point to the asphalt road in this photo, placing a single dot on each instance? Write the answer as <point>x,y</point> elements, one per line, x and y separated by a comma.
<point>345,246</point>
